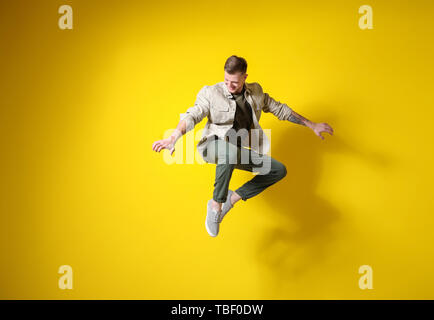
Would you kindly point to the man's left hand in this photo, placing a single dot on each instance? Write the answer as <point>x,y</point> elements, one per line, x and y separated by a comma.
<point>321,127</point>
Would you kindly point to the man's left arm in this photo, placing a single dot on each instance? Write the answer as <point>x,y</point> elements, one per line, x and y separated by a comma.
<point>284,112</point>
<point>316,127</point>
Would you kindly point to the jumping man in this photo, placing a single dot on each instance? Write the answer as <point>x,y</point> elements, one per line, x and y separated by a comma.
<point>233,139</point>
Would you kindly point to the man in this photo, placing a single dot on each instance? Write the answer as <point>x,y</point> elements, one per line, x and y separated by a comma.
<point>233,108</point>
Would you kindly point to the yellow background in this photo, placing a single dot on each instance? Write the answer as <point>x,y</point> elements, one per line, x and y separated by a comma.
<point>81,185</point>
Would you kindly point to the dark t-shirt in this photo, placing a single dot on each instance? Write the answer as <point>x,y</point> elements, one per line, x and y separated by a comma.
<point>243,114</point>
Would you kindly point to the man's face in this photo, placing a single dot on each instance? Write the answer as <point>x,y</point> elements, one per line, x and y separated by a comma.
<point>235,82</point>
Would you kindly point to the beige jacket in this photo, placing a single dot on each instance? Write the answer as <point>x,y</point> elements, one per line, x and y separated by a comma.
<point>214,102</point>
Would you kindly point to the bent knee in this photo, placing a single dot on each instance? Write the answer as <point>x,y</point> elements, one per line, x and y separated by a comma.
<point>281,170</point>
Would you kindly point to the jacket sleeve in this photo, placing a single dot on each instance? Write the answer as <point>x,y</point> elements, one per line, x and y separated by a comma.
<point>280,110</point>
<point>200,110</point>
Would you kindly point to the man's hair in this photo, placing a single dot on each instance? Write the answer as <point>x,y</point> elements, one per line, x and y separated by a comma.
<point>235,64</point>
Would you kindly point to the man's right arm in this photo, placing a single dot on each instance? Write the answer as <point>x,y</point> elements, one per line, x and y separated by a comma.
<point>200,110</point>
<point>193,115</point>
<point>189,119</point>
<point>180,130</point>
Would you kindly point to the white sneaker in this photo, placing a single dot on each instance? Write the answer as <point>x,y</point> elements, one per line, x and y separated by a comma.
<point>212,221</point>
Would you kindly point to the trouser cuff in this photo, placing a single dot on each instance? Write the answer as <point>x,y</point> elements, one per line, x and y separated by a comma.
<point>242,195</point>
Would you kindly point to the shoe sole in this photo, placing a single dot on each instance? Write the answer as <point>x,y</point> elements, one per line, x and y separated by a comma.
<point>209,232</point>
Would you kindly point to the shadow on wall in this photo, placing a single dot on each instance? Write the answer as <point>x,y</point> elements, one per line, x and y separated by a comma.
<point>305,228</point>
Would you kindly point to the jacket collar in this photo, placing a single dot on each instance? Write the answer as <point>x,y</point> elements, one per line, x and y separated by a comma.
<point>229,95</point>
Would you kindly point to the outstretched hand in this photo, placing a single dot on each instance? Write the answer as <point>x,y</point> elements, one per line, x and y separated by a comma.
<point>168,144</point>
<point>322,127</point>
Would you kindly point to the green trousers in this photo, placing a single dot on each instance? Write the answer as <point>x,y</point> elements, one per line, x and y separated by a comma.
<point>228,156</point>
